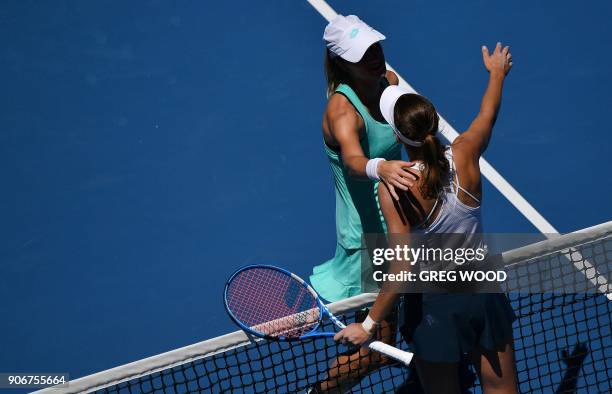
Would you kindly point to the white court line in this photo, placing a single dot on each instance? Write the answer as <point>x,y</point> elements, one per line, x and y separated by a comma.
<point>449,132</point>
<point>490,173</point>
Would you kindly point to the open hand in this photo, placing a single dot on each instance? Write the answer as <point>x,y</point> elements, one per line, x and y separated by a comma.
<point>397,174</point>
<point>500,61</point>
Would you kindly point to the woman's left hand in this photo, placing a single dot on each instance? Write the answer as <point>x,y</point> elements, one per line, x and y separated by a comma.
<point>353,333</point>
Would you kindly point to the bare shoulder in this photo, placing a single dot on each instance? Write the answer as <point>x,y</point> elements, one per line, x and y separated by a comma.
<point>395,218</point>
<point>463,152</point>
<point>392,77</point>
<point>338,103</point>
<point>340,111</point>
<point>384,196</point>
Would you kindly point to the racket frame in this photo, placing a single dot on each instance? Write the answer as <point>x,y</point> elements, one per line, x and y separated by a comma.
<point>391,351</point>
<point>323,311</point>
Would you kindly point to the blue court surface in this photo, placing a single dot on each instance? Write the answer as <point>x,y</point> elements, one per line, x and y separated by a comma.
<point>150,148</point>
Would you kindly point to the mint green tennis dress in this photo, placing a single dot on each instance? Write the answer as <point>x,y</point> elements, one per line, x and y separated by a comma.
<point>357,208</point>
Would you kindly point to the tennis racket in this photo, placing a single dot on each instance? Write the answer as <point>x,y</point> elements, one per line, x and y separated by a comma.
<point>272,303</point>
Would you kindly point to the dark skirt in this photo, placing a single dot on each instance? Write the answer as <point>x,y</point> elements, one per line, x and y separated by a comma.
<point>445,327</point>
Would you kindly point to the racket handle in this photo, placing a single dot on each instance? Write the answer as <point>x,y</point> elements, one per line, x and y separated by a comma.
<point>378,346</point>
<point>390,351</point>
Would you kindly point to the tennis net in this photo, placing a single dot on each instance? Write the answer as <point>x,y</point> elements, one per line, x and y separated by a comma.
<point>563,342</point>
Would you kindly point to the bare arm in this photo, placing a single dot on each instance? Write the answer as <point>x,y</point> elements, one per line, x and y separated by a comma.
<point>395,173</point>
<point>397,226</point>
<point>344,123</point>
<point>476,139</point>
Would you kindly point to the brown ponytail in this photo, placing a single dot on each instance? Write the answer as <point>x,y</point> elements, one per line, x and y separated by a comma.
<point>416,118</point>
<point>436,167</point>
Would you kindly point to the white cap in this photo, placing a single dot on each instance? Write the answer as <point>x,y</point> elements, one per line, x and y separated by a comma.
<point>387,108</point>
<point>349,37</point>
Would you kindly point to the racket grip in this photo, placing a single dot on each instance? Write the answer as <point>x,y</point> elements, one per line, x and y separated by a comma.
<point>390,351</point>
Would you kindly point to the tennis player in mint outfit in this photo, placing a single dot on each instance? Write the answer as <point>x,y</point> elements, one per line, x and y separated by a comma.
<point>360,146</point>
<point>362,150</point>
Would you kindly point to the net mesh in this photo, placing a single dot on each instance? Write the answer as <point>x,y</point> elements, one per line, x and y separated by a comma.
<point>563,343</point>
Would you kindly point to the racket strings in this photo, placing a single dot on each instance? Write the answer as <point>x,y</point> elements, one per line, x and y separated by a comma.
<point>252,292</point>
<point>272,303</point>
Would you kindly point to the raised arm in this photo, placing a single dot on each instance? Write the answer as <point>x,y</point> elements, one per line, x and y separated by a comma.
<point>498,64</point>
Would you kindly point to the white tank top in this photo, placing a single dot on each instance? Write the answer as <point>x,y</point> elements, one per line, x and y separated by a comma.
<point>454,216</point>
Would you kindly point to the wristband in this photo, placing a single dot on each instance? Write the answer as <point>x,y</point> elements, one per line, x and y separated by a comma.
<point>372,168</point>
<point>369,324</point>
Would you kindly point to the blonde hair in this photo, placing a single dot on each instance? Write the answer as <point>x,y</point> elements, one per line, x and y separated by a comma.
<point>334,72</point>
